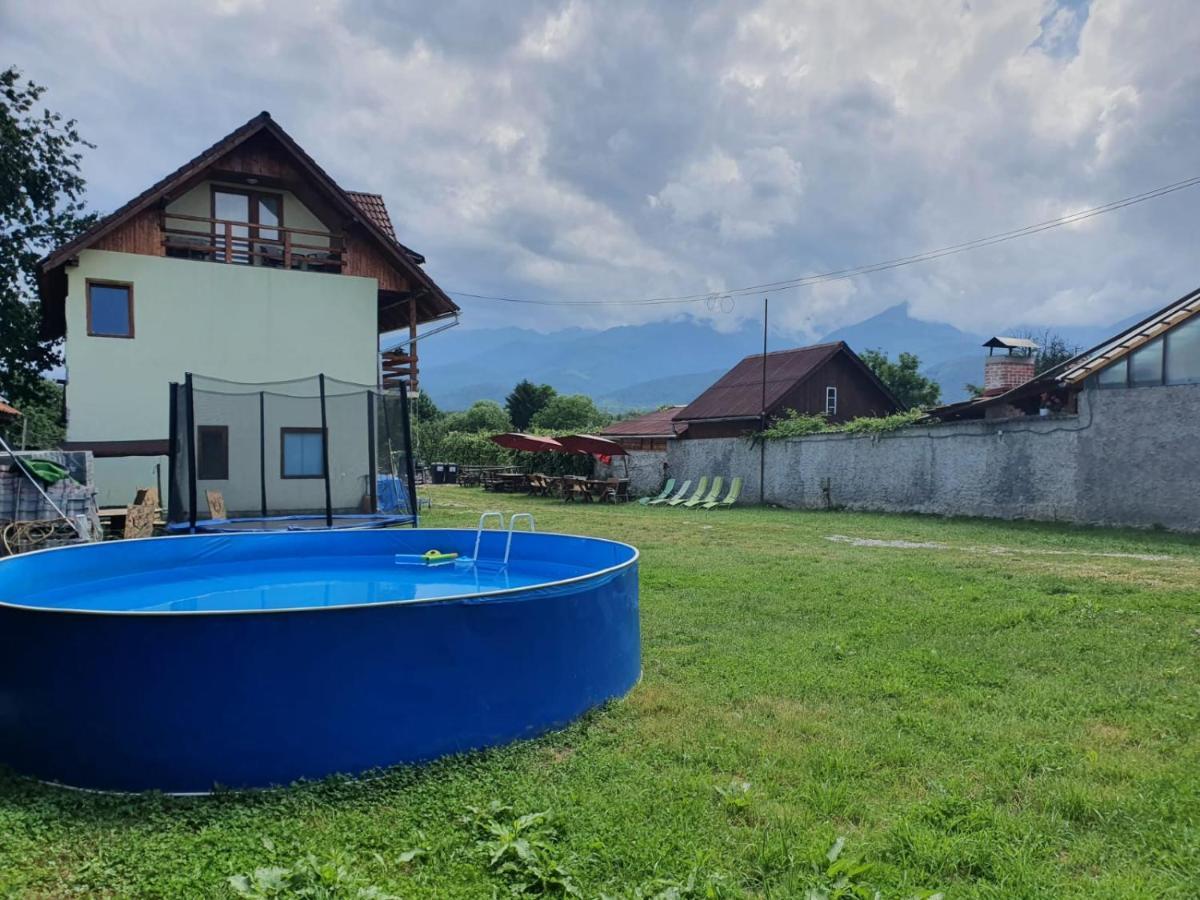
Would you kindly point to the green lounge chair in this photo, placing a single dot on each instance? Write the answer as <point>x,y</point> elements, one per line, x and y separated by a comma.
<point>735,490</point>
<point>701,487</point>
<point>711,496</point>
<point>683,489</point>
<point>666,492</point>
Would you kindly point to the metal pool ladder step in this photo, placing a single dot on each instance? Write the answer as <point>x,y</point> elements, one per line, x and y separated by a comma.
<point>512,523</point>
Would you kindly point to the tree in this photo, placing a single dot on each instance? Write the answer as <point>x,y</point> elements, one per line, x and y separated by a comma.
<point>41,207</point>
<point>40,425</point>
<point>1053,349</point>
<point>526,401</point>
<point>484,415</point>
<point>904,379</point>
<point>570,413</point>
<point>424,409</point>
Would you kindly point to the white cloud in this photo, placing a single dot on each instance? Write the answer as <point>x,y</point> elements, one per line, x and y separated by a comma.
<point>588,150</point>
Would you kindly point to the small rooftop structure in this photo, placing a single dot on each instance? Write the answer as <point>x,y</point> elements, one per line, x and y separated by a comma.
<point>1014,345</point>
<point>7,412</point>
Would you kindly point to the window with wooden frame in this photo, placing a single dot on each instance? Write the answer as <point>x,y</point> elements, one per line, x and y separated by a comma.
<point>212,453</point>
<point>262,212</point>
<point>831,401</point>
<point>301,453</point>
<point>110,309</point>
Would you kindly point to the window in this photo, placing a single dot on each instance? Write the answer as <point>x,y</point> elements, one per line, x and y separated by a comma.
<point>258,210</point>
<point>831,401</point>
<point>1183,353</point>
<point>302,453</point>
<point>109,309</point>
<point>212,453</point>
<point>1115,375</point>
<point>1146,364</point>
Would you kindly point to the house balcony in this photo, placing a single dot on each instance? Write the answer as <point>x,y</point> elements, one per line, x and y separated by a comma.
<point>246,244</point>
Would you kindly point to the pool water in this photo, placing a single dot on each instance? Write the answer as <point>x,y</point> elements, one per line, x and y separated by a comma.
<point>311,582</point>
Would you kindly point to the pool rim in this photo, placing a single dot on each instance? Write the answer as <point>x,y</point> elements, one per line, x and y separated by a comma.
<point>380,604</point>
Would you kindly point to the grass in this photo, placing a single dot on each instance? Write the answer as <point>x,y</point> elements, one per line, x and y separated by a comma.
<point>985,710</point>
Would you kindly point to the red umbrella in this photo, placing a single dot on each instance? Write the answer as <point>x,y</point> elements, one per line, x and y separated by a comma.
<point>589,443</point>
<point>533,443</point>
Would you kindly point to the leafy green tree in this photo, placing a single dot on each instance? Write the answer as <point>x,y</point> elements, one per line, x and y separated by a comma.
<point>904,379</point>
<point>424,409</point>
<point>570,412</point>
<point>1053,349</point>
<point>483,415</point>
<point>41,207</point>
<point>40,425</point>
<point>526,401</point>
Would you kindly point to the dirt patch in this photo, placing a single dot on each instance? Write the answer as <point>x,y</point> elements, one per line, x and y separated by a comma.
<point>995,550</point>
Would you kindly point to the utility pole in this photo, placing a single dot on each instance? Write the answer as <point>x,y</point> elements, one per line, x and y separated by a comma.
<point>762,442</point>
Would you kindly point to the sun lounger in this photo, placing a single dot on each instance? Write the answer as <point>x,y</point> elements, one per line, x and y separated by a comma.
<point>666,493</point>
<point>701,487</point>
<point>683,489</point>
<point>735,490</point>
<point>712,496</point>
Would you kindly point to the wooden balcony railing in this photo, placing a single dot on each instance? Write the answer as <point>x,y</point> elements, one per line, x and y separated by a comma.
<point>243,243</point>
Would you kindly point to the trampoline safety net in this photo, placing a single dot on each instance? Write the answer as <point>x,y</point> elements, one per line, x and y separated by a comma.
<point>306,454</point>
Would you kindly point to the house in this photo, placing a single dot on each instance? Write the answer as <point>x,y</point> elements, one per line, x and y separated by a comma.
<point>247,263</point>
<point>1161,350</point>
<point>647,432</point>
<point>827,379</point>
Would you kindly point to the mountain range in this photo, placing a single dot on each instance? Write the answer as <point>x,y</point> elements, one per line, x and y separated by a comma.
<point>647,366</point>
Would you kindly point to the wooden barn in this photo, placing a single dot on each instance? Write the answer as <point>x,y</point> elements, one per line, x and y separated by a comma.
<point>823,378</point>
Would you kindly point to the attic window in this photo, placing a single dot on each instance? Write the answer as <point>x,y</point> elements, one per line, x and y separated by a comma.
<point>109,309</point>
<point>831,401</point>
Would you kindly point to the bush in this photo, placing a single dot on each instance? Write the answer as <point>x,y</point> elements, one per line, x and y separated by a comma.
<point>794,424</point>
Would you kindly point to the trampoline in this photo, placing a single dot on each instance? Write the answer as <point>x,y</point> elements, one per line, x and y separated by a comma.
<point>312,454</point>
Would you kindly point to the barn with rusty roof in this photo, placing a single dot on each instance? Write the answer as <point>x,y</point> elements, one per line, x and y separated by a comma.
<point>827,379</point>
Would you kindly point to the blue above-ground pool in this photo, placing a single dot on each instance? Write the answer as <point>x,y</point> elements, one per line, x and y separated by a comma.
<point>185,663</point>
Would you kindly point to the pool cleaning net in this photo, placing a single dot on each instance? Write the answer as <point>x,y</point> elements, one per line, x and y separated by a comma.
<point>317,450</point>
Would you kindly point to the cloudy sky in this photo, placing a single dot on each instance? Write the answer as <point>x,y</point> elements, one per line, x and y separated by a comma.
<point>613,150</point>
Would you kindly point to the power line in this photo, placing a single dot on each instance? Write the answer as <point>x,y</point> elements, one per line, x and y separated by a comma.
<point>868,268</point>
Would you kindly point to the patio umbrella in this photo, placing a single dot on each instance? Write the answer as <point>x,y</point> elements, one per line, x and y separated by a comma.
<point>597,446</point>
<point>532,443</point>
<point>590,443</point>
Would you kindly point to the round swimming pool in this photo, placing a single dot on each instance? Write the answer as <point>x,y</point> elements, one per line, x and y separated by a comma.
<point>185,663</point>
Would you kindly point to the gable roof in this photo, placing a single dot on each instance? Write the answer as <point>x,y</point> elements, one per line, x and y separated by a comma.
<point>738,394</point>
<point>650,425</point>
<point>368,212</point>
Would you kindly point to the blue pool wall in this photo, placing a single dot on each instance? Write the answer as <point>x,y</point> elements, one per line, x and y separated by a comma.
<point>185,702</point>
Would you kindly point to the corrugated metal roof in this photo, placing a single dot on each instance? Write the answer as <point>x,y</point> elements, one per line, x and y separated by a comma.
<point>653,424</point>
<point>738,394</point>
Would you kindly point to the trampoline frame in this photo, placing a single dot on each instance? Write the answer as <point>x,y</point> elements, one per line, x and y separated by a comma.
<point>183,394</point>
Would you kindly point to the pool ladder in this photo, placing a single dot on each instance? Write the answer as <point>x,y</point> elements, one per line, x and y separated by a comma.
<point>512,523</point>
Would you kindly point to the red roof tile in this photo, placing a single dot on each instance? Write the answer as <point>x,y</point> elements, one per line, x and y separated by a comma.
<point>654,424</point>
<point>376,210</point>
<point>6,410</point>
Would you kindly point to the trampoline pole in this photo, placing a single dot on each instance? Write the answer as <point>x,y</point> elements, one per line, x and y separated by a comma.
<point>191,445</point>
<point>372,465</point>
<point>325,455</point>
<point>410,462</point>
<point>262,449</point>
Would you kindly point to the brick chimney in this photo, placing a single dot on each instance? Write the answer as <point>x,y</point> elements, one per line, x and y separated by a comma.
<point>1011,368</point>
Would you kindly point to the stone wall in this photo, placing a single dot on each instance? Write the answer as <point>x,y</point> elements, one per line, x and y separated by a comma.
<point>1130,457</point>
<point>646,471</point>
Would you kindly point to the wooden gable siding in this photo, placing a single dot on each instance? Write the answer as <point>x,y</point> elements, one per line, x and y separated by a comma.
<point>140,234</point>
<point>857,394</point>
<point>364,258</point>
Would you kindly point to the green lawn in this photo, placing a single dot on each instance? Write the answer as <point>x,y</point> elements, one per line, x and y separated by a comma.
<point>1011,712</point>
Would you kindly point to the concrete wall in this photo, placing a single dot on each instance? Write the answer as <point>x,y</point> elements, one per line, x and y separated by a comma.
<point>242,323</point>
<point>1128,458</point>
